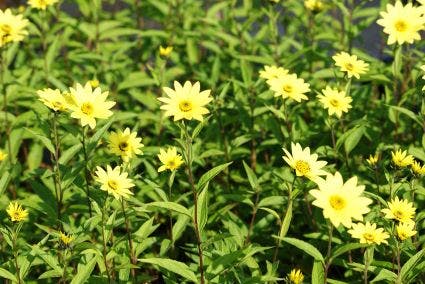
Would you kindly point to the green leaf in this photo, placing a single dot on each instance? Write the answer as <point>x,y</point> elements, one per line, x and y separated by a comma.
<point>286,221</point>
<point>94,140</point>
<point>306,247</point>
<point>84,271</point>
<point>345,248</point>
<point>317,273</point>
<point>173,266</point>
<point>353,139</point>
<point>171,206</point>
<point>69,153</point>
<point>43,139</point>
<point>7,275</point>
<point>211,174</point>
<point>407,112</point>
<point>252,178</point>
<point>203,209</point>
<point>410,264</point>
<point>4,181</point>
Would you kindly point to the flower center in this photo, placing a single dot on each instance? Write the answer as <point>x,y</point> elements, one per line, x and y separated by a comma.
<point>398,214</point>
<point>288,88</point>
<point>337,202</point>
<point>400,26</point>
<point>113,184</point>
<point>57,105</point>
<point>87,108</point>
<point>349,66</point>
<point>171,164</point>
<point>302,167</point>
<point>17,215</point>
<point>6,31</point>
<point>123,146</point>
<point>369,237</point>
<point>185,106</point>
<point>334,102</point>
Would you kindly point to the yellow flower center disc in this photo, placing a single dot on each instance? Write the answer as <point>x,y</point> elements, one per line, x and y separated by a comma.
<point>368,237</point>
<point>337,202</point>
<point>334,102</point>
<point>185,106</point>
<point>287,88</point>
<point>349,66</point>
<point>123,146</point>
<point>400,26</point>
<point>113,184</point>
<point>87,108</point>
<point>302,167</point>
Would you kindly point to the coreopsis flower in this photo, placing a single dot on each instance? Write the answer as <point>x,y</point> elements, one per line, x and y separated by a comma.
<point>165,51</point>
<point>89,104</point>
<point>373,160</point>
<point>304,163</point>
<point>114,181</point>
<point>271,72</point>
<point>405,230</point>
<point>314,5</point>
<point>296,276</point>
<point>400,210</point>
<point>3,155</point>
<point>335,101</point>
<point>53,99</point>
<point>401,159</point>
<point>369,234</point>
<point>170,159</point>
<point>12,27</point>
<point>41,4</point>
<point>350,64</point>
<point>341,202</point>
<point>402,23</point>
<point>418,169</point>
<point>65,239</point>
<point>186,102</point>
<point>125,144</point>
<point>16,212</point>
<point>289,86</point>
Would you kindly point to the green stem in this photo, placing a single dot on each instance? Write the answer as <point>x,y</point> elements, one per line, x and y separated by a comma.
<point>104,242</point>
<point>57,181</point>
<point>328,254</point>
<point>15,252</point>
<point>132,257</point>
<point>86,169</point>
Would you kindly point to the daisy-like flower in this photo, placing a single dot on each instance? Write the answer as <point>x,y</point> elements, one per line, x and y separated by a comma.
<point>185,102</point>
<point>400,210</point>
<point>53,99</point>
<point>271,72</point>
<point>114,182</point>
<point>65,239</point>
<point>296,276</point>
<point>16,212</point>
<point>369,234</point>
<point>89,104</point>
<point>373,160</point>
<point>341,202</point>
<point>335,101</point>
<point>405,230</point>
<point>12,27</point>
<point>401,159</point>
<point>170,159</point>
<point>402,23</point>
<point>3,155</point>
<point>418,169</point>
<point>350,64</point>
<point>304,163</point>
<point>41,4</point>
<point>165,51</point>
<point>125,144</point>
<point>314,5</point>
<point>289,86</point>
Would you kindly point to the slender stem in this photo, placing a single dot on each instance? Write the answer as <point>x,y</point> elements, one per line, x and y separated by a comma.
<point>15,253</point>
<point>44,29</point>
<point>130,241</point>
<point>170,217</point>
<point>104,242</point>
<point>57,172</point>
<point>86,169</point>
<point>254,214</point>
<point>328,254</point>
<point>398,260</point>
<point>195,200</point>
<point>64,260</point>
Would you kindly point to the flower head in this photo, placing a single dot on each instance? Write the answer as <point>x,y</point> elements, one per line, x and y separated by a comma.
<point>41,4</point>
<point>16,212</point>
<point>114,182</point>
<point>405,230</point>
<point>400,210</point>
<point>401,159</point>
<point>53,99</point>
<point>12,27</point>
<point>373,160</point>
<point>89,104</point>
<point>94,83</point>
<point>65,239</point>
<point>296,276</point>
<point>170,159</point>
<point>185,102</point>
<point>272,72</point>
<point>304,163</point>
<point>402,23</point>
<point>335,101</point>
<point>3,155</point>
<point>314,5</point>
<point>350,64</point>
<point>165,51</point>
<point>125,144</point>
<point>289,86</point>
<point>418,169</point>
<point>369,234</point>
<point>341,202</point>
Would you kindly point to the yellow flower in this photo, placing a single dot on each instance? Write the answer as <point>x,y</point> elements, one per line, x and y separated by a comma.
<point>185,102</point>
<point>165,51</point>
<point>304,163</point>
<point>313,5</point>
<point>296,276</point>
<point>405,230</point>
<point>53,99</point>
<point>16,212</point>
<point>373,160</point>
<point>125,144</point>
<point>418,169</point>
<point>271,72</point>
<point>41,4</point>
<point>12,27</point>
<point>335,101</point>
<point>89,104</point>
<point>170,159</point>
<point>3,155</point>
<point>400,210</point>
<point>289,86</point>
<point>114,182</point>
<point>402,23</point>
<point>341,202</point>
<point>94,83</point>
<point>401,159</point>
<point>66,239</point>
<point>369,234</point>
<point>350,64</point>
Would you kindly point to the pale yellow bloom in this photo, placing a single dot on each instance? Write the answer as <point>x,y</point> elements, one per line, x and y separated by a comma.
<point>41,4</point>
<point>350,64</point>
<point>418,169</point>
<point>369,234</point>
<point>272,72</point>
<point>16,212</point>
<point>114,181</point>
<point>314,5</point>
<point>296,276</point>
<point>66,239</point>
<point>289,86</point>
<point>53,99</point>
<point>405,230</point>
<point>12,27</point>
<point>3,155</point>
<point>400,210</point>
<point>125,144</point>
<point>401,159</point>
<point>165,51</point>
<point>373,160</point>
<point>335,101</point>
<point>170,159</point>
